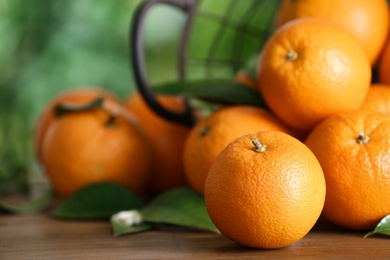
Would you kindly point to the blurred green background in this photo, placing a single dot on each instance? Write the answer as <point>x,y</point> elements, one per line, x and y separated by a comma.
<point>48,46</point>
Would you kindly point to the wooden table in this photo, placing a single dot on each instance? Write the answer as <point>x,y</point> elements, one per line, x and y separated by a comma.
<point>43,237</point>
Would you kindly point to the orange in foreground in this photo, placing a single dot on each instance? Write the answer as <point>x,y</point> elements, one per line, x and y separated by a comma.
<point>366,20</point>
<point>378,99</point>
<point>265,190</point>
<point>310,69</point>
<point>354,150</point>
<point>75,96</point>
<point>100,144</point>
<point>166,141</point>
<point>214,132</point>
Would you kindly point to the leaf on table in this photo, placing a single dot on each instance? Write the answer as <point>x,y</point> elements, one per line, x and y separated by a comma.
<point>383,228</point>
<point>98,201</point>
<point>215,90</point>
<point>120,229</point>
<point>180,206</point>
<point>33,206</point>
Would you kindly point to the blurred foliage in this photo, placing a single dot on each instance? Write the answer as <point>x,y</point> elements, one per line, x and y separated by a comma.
<point>48,46</point>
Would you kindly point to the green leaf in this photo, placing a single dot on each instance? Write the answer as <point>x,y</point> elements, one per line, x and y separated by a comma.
<point>97,201</point>
<point>214,90</point>
<point>128,222</point>
<point>120,229</point>
<point>182,207</point>
<point>63,108</point>
<point>33,206</point>
<point>383,228</point>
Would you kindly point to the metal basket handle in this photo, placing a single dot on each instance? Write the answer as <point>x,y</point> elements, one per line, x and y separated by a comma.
<point>185,117</point>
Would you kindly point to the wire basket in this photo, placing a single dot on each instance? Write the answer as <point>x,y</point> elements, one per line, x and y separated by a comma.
<point>232,33</point>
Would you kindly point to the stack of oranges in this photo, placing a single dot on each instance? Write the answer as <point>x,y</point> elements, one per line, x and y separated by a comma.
<point>322,147</point>
<point>114,140</point>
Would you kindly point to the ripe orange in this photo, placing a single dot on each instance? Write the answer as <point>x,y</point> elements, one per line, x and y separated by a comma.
<point>166,141</point>
<point>384,65</point>
<point>75,96</point>
<point>366,20</point>
<point>378,99</point>
<point>310,69</point>
<point>101,144</point>
<point>212,133</point>
<point>267,194</point>
<point>354,150</point>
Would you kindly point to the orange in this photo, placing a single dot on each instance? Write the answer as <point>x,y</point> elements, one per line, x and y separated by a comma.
<point>265,190</point>
<point>211,134</point>
<point>166,141</point>
<point>354,150</point>
<point>366,20</point>
<point>310,69</point>
<point>384,65</point>
<point>101,144</point>
<point>77,96</point>
<point>378,99</point>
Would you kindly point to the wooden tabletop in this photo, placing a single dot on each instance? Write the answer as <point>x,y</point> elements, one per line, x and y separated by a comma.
<point>43,237</point>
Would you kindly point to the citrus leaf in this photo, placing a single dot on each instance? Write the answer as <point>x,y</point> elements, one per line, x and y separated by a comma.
<point>120,229</point>
<point>97,201</point>
<point>214,90</point>
<point>180,206</point>
<point>63,108</point>
<point>33,206</point>
<point>383,228</point>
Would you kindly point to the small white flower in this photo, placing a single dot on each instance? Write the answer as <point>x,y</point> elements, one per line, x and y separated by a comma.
<point>128,217</point>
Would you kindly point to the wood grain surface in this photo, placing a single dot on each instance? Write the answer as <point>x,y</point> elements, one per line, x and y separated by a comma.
<point>43,237</point>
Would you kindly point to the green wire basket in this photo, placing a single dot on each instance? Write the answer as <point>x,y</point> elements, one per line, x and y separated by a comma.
<point>231,32</point>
